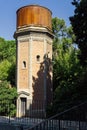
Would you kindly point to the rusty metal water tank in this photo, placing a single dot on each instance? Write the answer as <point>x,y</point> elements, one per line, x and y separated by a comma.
<point>34,15</point>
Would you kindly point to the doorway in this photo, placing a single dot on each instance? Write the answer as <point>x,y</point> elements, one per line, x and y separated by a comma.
<point>23,106</point>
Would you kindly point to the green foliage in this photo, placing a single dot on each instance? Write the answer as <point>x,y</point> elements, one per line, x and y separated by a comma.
<point>7,60</point>
<point>7,50</point>
<point>4,68</point>
<point>66,71</point>
<point>58,27</point>
<point>79,23</point>
<point>8,92</point>
<point>11,74</point>
<point>68,74</point>
<point>8,97</point>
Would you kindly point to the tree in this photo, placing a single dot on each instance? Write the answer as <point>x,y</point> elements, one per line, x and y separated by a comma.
<point>7,60</point>
<point>79,23</point>
<point>62,48</point>
<point>66,66</point>
<point>7,50</point>
<point>8,92</point>
<point>5,65</point>
<point>8,97</point>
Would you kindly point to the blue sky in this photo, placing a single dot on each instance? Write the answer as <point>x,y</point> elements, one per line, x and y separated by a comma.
<point>60,8</point>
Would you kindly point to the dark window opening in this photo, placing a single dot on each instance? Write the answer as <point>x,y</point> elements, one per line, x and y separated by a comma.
<point>38,58</point>
<point>24,64</point>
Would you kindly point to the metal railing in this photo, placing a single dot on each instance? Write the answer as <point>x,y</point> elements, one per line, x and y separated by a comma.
<point>31,108</point>
<point>74,118</point>
<point>32,115</point>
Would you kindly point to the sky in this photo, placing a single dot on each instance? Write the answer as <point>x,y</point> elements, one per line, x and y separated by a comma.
<point>62,9</point>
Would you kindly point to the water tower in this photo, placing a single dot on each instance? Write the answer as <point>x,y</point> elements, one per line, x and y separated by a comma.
<point>34,60</point>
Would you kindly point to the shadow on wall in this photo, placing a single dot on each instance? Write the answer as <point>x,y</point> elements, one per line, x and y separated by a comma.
<point>42,89</point>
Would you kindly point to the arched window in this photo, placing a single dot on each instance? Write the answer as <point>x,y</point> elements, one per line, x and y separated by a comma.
<point>24,64</point>
<point>38,58</point>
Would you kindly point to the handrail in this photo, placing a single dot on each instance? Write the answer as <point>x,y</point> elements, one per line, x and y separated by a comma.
<point>57,115</point>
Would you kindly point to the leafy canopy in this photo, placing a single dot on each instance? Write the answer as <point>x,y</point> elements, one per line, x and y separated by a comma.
<point>7,60</point>
<point>8,97</point>
<point>68,76</point>
<point>79,24</point>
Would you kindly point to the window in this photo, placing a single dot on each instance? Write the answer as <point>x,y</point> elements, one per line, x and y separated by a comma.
<point>24,64</point>
<point>38,58</point>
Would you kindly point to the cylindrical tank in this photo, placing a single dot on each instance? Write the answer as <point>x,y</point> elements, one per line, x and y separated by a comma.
<point>34,15</point>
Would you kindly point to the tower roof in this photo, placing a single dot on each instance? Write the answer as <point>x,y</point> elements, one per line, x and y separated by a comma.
<point>34,15</point>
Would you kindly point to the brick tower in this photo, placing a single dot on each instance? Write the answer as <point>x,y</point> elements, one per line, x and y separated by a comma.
<point>34,60</point>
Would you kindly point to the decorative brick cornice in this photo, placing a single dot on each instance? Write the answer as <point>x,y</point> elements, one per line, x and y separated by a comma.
<point>30,30</point>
